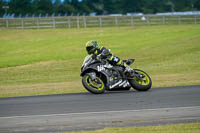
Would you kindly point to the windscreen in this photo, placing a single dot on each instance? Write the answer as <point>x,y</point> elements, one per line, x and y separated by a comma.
<point>87,59</point>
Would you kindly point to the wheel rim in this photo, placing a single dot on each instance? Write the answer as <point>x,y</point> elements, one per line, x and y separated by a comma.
<point>144,81</point>
<point>101,84</point>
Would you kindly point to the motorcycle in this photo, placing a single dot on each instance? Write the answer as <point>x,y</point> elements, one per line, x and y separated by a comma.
<point>100,76</point>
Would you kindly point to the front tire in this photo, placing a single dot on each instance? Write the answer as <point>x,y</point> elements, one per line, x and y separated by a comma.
<point>87,83</point>
<point>143,84</point>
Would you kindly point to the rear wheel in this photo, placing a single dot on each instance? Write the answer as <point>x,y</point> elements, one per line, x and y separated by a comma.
<point>96,86</point>
<point>143,83</point>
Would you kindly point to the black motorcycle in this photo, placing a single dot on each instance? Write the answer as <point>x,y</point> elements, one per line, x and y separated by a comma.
<point>100,76</point>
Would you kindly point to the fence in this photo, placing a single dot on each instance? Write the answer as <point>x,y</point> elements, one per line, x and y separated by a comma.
<point>97,21</point>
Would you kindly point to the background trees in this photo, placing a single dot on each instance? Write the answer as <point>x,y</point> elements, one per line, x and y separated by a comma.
<point>74,7</point>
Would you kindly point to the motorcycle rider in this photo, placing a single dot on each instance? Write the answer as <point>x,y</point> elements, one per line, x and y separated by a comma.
<point>103,53</point>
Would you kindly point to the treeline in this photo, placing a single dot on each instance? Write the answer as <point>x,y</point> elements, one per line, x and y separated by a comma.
<point>101,7</point>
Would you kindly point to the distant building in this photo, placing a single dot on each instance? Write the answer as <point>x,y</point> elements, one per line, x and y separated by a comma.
<point>180,13</point>
<point>115,15</point>
<point>93,14</point>
<point>135,14</point>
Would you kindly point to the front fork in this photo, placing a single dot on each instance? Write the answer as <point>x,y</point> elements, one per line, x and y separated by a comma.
<point>135,74</point>
<point>92,76</point>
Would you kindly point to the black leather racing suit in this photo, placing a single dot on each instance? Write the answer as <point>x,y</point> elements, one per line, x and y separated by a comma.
<point>104,53</point>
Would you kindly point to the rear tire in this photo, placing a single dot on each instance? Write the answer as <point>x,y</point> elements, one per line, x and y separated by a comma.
<point>90,88</point>
<point>138,84</point>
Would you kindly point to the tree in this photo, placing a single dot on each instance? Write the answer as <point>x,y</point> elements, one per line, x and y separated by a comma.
<point>20,6</point>
<point>42,6</point>
<point>197,4</point>
<point>45,6</point>
<point>2,11</point>
<point>154,6</point>
<point>131,6</point>
<point>180,5</point>
<point>99,6</point>
<point>66,8</point>
<point>57,7</point>
<point>84,8</point>
<point>112,6</point>
<point>95,6</point>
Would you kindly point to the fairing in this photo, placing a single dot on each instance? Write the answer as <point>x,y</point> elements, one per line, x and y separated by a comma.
<point>112,82</point>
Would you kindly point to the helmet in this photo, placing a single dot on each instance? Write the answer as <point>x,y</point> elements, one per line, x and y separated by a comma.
<point>91,46</point>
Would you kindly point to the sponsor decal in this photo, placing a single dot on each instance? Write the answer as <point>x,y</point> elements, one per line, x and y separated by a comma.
<point>115,59</point>
<point>126,84</point>
<point>112,86</point>
<point>120,83</point>
<point>100,68</point>
<point>108,66</point>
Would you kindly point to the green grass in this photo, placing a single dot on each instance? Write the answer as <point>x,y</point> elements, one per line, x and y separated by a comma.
<point>176,128</point>
<point>48,61</point>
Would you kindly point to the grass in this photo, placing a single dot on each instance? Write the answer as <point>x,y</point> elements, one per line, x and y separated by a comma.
<point>176,128</point>
<point>48,61</point>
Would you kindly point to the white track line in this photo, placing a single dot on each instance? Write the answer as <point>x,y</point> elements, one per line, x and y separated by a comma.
<point>103,112</point>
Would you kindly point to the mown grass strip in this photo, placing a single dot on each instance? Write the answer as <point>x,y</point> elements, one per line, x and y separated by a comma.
<point>48,61</point>
<point>176,128</point>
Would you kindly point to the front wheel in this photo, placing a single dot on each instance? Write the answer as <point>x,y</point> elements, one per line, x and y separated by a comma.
<point>96,86</point>
<point>141,82</point>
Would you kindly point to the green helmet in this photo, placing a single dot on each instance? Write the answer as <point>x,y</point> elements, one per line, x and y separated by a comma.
<point>91,46</point>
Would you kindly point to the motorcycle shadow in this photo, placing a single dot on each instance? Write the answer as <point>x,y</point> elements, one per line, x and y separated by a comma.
<point>119,91</point>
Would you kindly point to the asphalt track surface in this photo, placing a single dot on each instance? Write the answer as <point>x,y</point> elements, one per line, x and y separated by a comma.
<point>85,111</point>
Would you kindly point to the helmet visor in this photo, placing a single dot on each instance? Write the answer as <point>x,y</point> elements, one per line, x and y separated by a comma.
<point>90,49</point>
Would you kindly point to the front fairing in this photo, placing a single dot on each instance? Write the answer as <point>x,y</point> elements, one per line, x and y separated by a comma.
<point>89,62</point>
<point>86,62</point>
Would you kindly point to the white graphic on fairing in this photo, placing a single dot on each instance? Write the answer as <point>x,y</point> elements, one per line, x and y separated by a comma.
<point>100,68</point>
<point>112,86</point>
<point>120,83</point>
